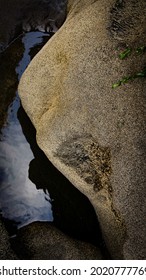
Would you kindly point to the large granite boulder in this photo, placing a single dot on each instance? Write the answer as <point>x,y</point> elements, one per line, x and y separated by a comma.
<point>94,134</point>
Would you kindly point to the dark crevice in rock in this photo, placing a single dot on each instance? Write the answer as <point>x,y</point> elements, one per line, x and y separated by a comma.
<point>72,211</point>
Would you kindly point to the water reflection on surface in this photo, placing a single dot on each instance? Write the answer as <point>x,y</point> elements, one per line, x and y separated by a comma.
<point>20,201</point>
<point>72,211</point>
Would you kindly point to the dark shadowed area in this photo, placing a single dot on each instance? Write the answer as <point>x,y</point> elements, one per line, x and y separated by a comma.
<point>31,188</point>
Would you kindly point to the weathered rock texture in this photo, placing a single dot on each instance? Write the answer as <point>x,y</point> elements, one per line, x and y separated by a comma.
<point>93,134</point>
<point>43,241</point>
<point>8,77</point>
<point>6,251</point>
<point>17,16</point>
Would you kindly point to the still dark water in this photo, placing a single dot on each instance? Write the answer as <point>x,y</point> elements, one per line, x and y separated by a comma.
<point>20,201</point>
<point>31,188</point>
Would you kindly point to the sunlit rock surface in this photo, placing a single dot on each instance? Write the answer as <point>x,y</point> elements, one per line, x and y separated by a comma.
<point>94,134</point>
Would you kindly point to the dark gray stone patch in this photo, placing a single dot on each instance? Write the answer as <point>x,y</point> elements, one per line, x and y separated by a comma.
<point>43,241</point>
<point>126,17</point>
<point>91,161</point>
<point>6,252</point>
<point>29,15</point>
<point>45,15</point>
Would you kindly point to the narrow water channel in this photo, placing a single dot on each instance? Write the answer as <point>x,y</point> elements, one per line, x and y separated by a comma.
<point>31,188</point>
<point>20,201</point>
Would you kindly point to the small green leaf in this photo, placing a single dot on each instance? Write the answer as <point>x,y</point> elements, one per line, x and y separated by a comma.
<point>115,85</point>
<point>125,80</point>
<point>141,74</point>
<point>122,81</point>
<point>141,50</point>
<point>125,53</point>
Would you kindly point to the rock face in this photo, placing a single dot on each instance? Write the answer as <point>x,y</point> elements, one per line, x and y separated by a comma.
<point>42,241</point>
<point>9,79</point>
<point>6,252</point>
<point>94,134</point>
<point>26,15</point>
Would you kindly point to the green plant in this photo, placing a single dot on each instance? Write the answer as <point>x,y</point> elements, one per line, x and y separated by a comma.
<point>125,53</point>
<point>141,50</point>
<point>141,74</point>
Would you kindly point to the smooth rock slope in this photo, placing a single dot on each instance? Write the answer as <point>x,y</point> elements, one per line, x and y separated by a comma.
<point>94,134</point>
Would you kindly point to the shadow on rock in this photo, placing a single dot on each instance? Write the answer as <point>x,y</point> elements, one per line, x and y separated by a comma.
<point>43,241</point>
<point>8,77</point>
<point>29,15</point>
<point>72,211</point>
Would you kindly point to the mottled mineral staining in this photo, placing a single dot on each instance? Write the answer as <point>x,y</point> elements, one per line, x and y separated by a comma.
<point>91,161</point>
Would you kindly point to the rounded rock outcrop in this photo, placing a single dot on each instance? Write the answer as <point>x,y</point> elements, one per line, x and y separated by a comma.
<point>93,133</point>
